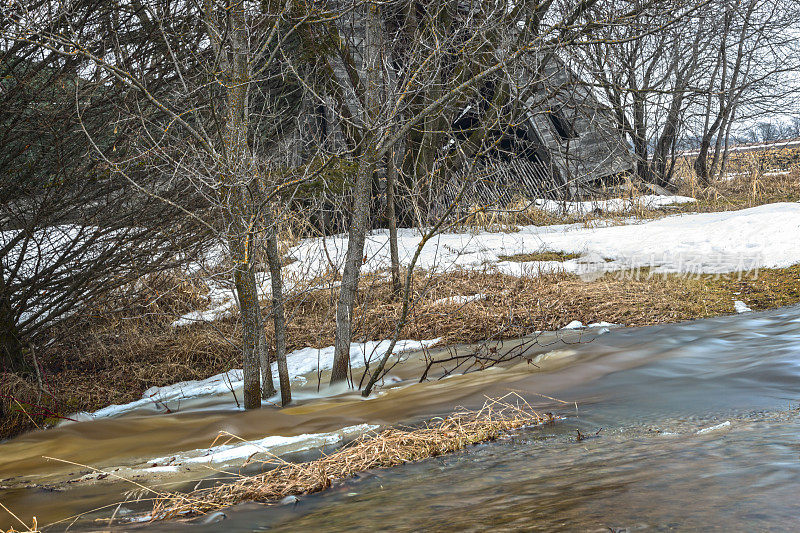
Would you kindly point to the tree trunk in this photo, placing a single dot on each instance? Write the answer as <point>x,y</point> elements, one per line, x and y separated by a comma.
<point>267,385</point>
<point>701,162</point>
<point>640,148</point>
<point>278,313</point>
<point>351,272</point>
<point>361,200</point>
<point>246,290</point>
<point>664,150</point>
<point>391,177</point>
<point>720,147</point>
<point>237,170</point>
<point>12,356</point>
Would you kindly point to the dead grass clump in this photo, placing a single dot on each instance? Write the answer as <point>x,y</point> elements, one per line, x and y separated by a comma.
<point>539,256</point>
<point>22,404</point>
<point>391,447</point>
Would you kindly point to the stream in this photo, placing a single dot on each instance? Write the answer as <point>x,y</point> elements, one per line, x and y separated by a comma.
<point>687,426</point>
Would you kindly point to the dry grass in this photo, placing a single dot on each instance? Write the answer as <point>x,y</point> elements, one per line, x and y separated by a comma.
<point>771,158</point>
<point>508,218</point>
<point>742,191</point>
<point>539,256</point>
<point>388,448</point>
<point>110,359</point>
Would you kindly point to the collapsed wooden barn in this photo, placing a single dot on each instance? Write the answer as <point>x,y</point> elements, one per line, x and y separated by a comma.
<point>564,146</point>
<point>554,140</point>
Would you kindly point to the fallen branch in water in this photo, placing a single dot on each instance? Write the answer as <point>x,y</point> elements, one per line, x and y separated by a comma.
<point>390,447</point>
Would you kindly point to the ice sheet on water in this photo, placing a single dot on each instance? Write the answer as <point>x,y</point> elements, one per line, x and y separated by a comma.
<point>273,444</point>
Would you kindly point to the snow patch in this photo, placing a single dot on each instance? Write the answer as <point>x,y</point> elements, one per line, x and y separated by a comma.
<point>741,307</point>
<point>724,425</point>
<point>165,468</point>
<point>613,205</point>
<point>300,363</point>
<point>272,445</point>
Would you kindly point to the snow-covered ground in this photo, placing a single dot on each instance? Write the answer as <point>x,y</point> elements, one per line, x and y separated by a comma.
<point>729,241</point>
<point>218,391</point>
<point>759,237</point>
<point>612,205</point>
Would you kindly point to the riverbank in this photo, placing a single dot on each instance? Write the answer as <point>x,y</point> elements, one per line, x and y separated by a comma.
<point>472,285</point>
<point>114,360</point>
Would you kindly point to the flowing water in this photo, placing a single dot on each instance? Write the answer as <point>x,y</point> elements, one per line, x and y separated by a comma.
<point>688,426</point>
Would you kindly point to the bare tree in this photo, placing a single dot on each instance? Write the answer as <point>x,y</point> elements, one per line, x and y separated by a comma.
<point>71,230</point>
<point>401,75</point>
<point>219,126</point>
<point>754,56</point>
<point>646,70</point>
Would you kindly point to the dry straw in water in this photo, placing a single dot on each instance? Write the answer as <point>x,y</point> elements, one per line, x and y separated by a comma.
<point>390,447</point>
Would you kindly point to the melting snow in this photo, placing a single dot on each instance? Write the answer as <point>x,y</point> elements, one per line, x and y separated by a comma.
<point>724,425</point>
<point>300,362</point>
<point>274,444</point>
<point>603,325</point>
<point>759,237</point>
<point>763,236</point>
<point>613,205</point>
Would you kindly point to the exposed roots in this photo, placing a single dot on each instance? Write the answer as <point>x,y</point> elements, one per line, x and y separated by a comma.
<point>387,448</point>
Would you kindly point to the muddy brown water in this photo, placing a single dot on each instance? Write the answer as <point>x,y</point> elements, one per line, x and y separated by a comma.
<point>646,397</point>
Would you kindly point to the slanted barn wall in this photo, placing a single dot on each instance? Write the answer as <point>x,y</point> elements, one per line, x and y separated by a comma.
<point>592,149</point>
<point>499,182</point>
<point>578,148</point>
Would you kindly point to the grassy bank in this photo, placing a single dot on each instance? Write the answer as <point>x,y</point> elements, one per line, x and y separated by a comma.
<point>112,358</point>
